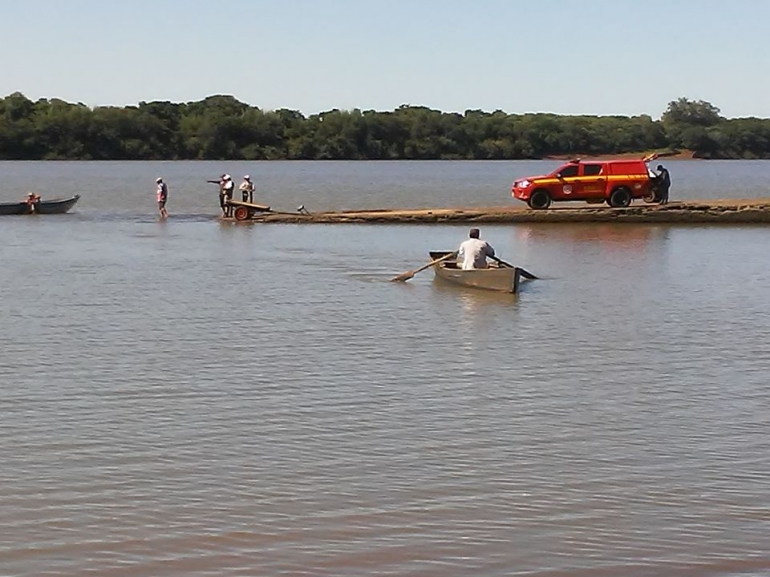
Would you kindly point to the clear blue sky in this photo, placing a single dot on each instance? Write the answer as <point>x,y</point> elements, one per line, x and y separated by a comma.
<point>569,57</point>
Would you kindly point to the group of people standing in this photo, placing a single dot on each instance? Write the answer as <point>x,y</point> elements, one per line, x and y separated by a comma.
<point>226,189</point>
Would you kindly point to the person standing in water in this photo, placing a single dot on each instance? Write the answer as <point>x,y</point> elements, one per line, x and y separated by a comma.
<point>247,189</point>
<point>228,187</point>
<point>221,184</point>
<point>161,190</point>
<point>224,183</point>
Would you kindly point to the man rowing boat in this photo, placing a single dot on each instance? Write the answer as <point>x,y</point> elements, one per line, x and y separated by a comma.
<point>475,251</point>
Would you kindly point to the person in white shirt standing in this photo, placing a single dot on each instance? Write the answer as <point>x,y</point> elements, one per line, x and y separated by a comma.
<point>247,189</point>
<point>228,187</point>
<point>475,251</point>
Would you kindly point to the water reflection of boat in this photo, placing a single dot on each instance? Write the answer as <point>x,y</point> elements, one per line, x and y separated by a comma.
<point>495,278</point>
<point>615,235</point>
<point>53,206</point>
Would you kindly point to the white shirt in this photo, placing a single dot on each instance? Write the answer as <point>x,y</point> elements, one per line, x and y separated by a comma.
<point>247,186</point>
<point>229,186</point>
<point>475,252</point>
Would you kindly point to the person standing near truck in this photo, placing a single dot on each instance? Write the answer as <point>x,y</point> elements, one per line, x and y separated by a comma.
<point>663,184</point>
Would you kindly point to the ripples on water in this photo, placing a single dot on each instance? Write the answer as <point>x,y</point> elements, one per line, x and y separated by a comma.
<point>196,398</point>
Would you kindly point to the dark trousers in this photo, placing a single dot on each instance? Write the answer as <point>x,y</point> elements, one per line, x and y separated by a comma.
<point>663,194</point>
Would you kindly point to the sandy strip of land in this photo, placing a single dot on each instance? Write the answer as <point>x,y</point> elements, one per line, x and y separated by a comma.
<point>750,211</point>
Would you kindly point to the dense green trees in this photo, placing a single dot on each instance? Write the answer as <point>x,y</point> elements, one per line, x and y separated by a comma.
<point>221,127</point>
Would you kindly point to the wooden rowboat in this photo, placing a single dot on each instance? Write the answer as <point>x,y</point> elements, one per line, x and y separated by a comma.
<point>56,205</point>
<point>496,278</point>
<point>14,208</point>
<point>53,206</point>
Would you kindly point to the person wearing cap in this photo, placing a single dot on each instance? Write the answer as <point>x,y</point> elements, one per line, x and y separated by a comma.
<point>475,251</point>
<point>221,184</point>
<point>161,191</point>
<point>247,189</point>
<point>227,188</point>
<point>662,184</point>
<point>32,200</point>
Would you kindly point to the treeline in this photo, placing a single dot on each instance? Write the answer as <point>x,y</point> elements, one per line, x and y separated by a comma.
<point>221,127</point>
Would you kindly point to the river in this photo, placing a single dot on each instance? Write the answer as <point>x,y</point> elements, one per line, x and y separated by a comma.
<point>193,397</point>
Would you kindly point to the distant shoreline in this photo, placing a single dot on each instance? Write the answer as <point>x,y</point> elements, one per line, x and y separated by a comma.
<point>671,155</point>
<point>221,127</point>
<point>679,155</point>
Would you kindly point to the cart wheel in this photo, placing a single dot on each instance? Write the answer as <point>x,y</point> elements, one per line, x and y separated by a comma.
<point>241,213</point>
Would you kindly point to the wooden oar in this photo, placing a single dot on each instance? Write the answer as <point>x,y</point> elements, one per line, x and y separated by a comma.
<point>403,277</point>
<point>524,273</point>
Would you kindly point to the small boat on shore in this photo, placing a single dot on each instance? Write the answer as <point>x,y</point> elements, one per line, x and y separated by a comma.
<point>53,206</point>
<point>496,277</point>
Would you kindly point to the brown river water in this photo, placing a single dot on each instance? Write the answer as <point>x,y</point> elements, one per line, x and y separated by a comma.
<point>193,397</point>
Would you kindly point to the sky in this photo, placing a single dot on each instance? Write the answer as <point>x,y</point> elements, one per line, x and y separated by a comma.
<point>597,57</point>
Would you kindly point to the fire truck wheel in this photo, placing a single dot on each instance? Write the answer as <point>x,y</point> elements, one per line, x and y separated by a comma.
<point>620,197</point>
<point>539,200</point>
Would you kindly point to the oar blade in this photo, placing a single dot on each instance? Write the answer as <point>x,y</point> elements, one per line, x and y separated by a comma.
<point>410,273</point>
<point>403,277</point>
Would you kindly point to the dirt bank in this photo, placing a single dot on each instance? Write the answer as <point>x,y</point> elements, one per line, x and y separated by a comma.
<point>756,211</point>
